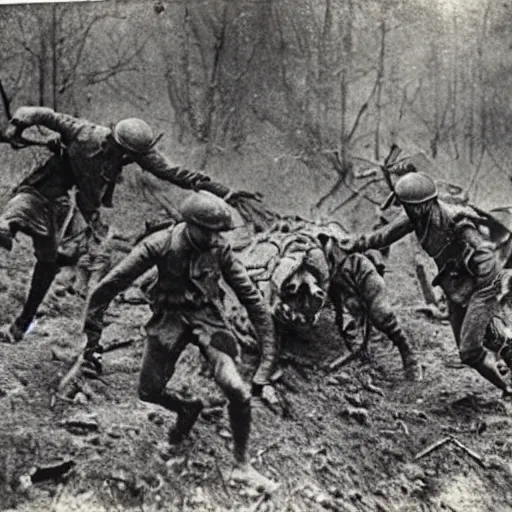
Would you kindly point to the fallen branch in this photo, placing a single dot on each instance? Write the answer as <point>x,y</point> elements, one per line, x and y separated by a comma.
<point>432,447</point>
<point>222,481</point>
<point>73,373</point>
<point>361,351</point>
<point>372,388</point>
<point>457,443</point>
<point>117,345</point>
<point>471,453</point>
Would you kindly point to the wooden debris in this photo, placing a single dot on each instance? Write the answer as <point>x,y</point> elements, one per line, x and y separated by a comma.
<point>432,447</point>
<point>222,481</point>
<point>457,443</point>
<point>80,425</point>
<point>343,360</point>
<point>73,373</point>
<point>471,453</point>
<point>367,384</point>
<point>117,345</point>
<point>404,427</point>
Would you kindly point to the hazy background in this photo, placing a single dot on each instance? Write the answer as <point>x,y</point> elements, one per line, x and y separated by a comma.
<point>288,97</point>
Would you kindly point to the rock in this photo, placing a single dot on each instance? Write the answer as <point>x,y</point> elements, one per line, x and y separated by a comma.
<point>81,424</point>
<point>24,482</point>
<point>95,440</point>
<point>225,433</point>
<point>335,491</point>
<point>355,495</point>
<point>343,378</point>
<point>354,399</point>
<point>155,418</point>
<point>198,498</point>
<point>80,399</point>
<point>176,463</point>
<point>114,432</point>
<point>212,414</point>
<point>413,472</point>
<point>360,414</point>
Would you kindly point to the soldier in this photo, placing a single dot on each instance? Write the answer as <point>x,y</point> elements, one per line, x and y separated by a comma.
<point>93,159</point>
<point>466,263</point>
<point>191,258</point>
<point>357,284</point>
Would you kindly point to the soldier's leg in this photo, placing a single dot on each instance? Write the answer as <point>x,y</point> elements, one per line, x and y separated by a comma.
<point>238,392</point>
<point>44,273</point>
<point>373,292</point>
<point>157,369</point>
<point>479,312</point>
<point>336,296</point>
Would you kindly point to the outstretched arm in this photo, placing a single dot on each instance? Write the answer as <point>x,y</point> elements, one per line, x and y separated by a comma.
<point>156,163</point>
<point>65,125</point>
<point>138,261</point>
<point>378,239</point>
<point>238,279</point>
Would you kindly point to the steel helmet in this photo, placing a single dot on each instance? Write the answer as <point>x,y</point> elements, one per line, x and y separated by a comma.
<point>415,188</point>
<point>134,135</point>
<point>208,211</point>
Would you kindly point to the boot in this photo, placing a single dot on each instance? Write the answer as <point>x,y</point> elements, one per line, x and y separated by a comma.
<point>410,363</point>
<point>42,278</point>
<point>188,412</point>
<point>240,422</point>
<point>11,334</point>
<point>243,472</point>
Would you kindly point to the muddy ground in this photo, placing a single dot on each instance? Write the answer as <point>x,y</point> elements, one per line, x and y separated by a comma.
<point>347,440</point>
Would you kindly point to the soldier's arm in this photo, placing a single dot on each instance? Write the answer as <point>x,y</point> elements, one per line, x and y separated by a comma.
<point>479,256</point>
<point>156,163</point>
<point>238,279</point>
<point>380,238</point>
<point>24,117</point>
<point>136,263</point>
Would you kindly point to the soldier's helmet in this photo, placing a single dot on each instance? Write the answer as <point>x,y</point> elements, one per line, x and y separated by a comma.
<point>208,211</point>
<point>415,188</point>
<point>134,134</point>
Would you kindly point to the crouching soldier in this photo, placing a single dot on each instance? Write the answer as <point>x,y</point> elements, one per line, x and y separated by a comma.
<point>192,258</point>
<point>357,284</point>
<point>466,261</point>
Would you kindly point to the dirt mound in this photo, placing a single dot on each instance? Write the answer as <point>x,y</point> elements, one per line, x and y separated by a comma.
<point>346,441</point>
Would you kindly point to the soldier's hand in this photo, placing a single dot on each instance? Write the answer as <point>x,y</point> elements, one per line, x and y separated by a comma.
<point>13,134</point>
<point>54,144</point>
<point>234,196</point>
<point>93,361</point>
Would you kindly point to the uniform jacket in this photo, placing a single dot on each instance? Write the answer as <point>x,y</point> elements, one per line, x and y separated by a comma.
<point>465,259</point>
<point>188,281</point>
<point>96,163</point>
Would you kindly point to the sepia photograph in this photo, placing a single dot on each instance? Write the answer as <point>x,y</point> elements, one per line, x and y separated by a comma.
<point>255,256</point>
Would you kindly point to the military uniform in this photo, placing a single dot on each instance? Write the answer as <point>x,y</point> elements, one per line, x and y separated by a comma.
<point>187,308</point>
<point>358,285</point>
<point>92,163</point>
<point>467,269</point>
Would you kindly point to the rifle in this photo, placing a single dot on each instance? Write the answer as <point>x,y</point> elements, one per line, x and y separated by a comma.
<point>389,162</point>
